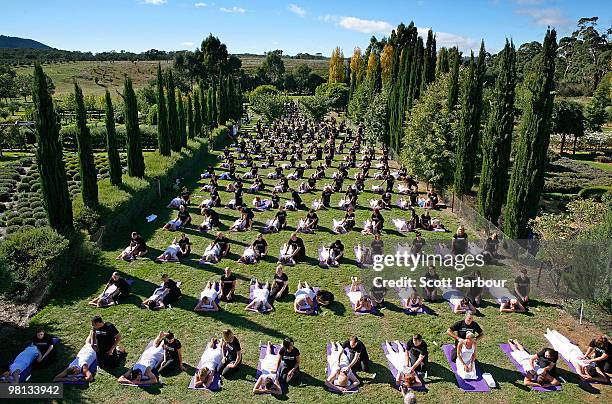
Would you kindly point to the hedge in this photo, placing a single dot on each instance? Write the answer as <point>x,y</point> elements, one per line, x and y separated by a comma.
<point>122,206</point>
<point>595,192</point>
<point>148,135</point>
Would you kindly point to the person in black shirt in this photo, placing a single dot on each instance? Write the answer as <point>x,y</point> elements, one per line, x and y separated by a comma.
<point>336,250</point>
<point>260,246</point>
<point>297,199</point>
<point>417,355</point>
<point>137,248</point>
<point>171,295</point>
<point>122,290</point>
<point>377,245</point>
<point>426,221</point>
<point>223,243</point>
<point>521,287</point>
<point>105,341</point>
<point>459,244</point>
<point>281,217</point>
<point>378,221</point>
<point>546,359</point>
<point>232,353</point>
<point>275,200</point>
<point>417,244</point>
<point>280,284</point>
<point>182,219</point>
<point>173,352</point>
<point>599,352</point>
<point>326,196</point>
<point>185,246</point>
<point>288,366</point>
<point>377,294</point>
<point>359,360</point>
<point>228,285</point>
<point>458,330</point>
<point>249,216</point>
<point>44,342</point>
<point>299,254</point>
<point>430,293</point>
<point>325,297</point>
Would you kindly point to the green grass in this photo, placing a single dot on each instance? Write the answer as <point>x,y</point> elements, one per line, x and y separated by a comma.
<point>13,156</point>
<point>67,316</point>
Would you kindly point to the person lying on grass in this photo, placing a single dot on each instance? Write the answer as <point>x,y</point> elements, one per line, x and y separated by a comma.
<point>211,359</point>
<point>183,219</point>
<point>261,293</point>
<point>137,248</point>
<point>170,254</point>
<point>414,304</point>
<point>117,288</point>
<point>534,374</point>
<point>406,378</point>
<point>305,298</point>
<point>142,371</point>
<point>163,296</point>
<point>208,298</point>
<point>268,382</point>
<point>79,368</point>
<point>341,377</point>
<point>24,360</point>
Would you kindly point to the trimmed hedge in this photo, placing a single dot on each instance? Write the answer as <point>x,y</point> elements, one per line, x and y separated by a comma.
<point>148,135</point>
<point>594,192</point>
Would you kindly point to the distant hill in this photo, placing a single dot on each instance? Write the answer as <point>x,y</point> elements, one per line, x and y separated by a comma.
<point>14,42</point>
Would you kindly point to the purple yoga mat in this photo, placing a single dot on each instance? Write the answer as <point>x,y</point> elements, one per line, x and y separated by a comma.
<point>394,370</point>
<point>262,354</point>
<point>479,385</point>
<point>422,310</point>
<point>328,371</point>
<point>81,381</point>
<point>507,351</point>
<point>214,386</point>
<point>347,289</point>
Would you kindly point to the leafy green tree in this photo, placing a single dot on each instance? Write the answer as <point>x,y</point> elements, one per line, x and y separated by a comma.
<point>272,69</point>
<point>49,156</point>
<point>173,120</point>
<point>336,92</point>
<point>497,139</point>
<point>596,108</point>
<point>135,159</point>
<point>114,161</point>
<point>163,137</point>
<point>302,76</point>
<point>469,124</point>
<point>527,179</point>
<point>567,120</point>
<point>376,119</point>
<point>190,123</point>
<point>315,106</point>
<point>87,167</point>
<point>269,105</point>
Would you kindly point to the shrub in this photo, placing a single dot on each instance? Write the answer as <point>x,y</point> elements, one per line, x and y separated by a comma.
<point>29,221</point>
<point>14,221</point>
<point>31,257</point>
<point>88,220</point>
<point>23,187</point>
<point>2,207</point>
<point>9,230</point>
<point>595,192</point>
<point>39,215</point>
<point>41,222</point>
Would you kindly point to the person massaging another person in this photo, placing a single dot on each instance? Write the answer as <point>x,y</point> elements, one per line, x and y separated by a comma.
<point>358,297</point>
<point>208,298</point>
<point>341,377</point>
<point>163,296</point>
<point>305,298</point>
<point>228,285</point>
<point>137,248</point>
<point>211,360</point>
<point>232,353</point>
<point>255,252</point>
<point>117,288</point>
<point>288,362</point>
<point>406,378</point>
<point>459,330</point>
<point>534,374</point>
<point>105,340</point>
<point>183,218</point>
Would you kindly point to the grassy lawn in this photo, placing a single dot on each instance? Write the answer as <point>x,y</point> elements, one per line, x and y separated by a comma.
<point>12,156</point>
<point>67,316</point>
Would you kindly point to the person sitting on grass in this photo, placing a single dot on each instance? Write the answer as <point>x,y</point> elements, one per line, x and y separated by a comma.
<point>255,252</point>
<point>261,294</point>
<point>228,285</point>
<point>466,357</point>
<point>378,221</point>
<point>288,362</point>
<point>534,374</point>
<point>341,377</point>
<point>163,296</point>
<point>117,288</point>
<point>182,219</point>
<point>79,368</point>
<point>430,292</point>
<point>232,353</point>
<point>208,298</point>
<point>268,381</point>
<point>211,219</point>
<point>459,244</point>
<point>173,352</point>
<point>211,358</point>
<point>336,252</point>
<point>463,306</point>
<point>309,223</point>
<point>305,297</point>
<point>522,284</point>
<point>599,352</point>
<point>361,300</point>
<point>280,284</point>
<point>137,248</point>
<point>414,304</point>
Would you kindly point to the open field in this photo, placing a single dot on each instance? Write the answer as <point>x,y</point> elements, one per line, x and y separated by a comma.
<point>67,316</point>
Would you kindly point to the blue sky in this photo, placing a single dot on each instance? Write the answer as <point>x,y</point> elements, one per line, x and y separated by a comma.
<point>293,26</point>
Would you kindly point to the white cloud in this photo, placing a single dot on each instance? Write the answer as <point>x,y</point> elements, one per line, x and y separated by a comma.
<point>234,9</point>
<point>201,4</point>
<point>187,43</point>
<point>155,2</point>
<point>359,24</point>
<point>295,9</point>
<point>544,16</point>
<point>448,40</point>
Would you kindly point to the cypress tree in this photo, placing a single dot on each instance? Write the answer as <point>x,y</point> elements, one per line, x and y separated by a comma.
<point>87,167</point>
<point>429,61</point>
<point>211,106</point>
<point>527,179</point>
<point>135,159</point>
<point>182,120</point>
<point>114,161</point>
<point>497,139</point>
<point>453,89</point>
<point>49,157</point>
<point>197,111</point>
<point>442,62</point>
<point>163,139</point>
<point>416,73</point>
<point>469,125</point>
<point>219,117</point>
<point>190,124</point>
<point>173,123</point>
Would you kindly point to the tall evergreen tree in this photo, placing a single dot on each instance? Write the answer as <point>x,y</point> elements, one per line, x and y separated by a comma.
<point>114,161</point>
<point>49,156</point>
<point>453,90</point>
<point>173,123</point>
<point>87,167</point>
<point>182,119</point>
<point>429,61</point>
<point>135,159</point>
<point>416,73</point>
<point>212,106</point>
<point>197,111</point>
<point>190,123</point>
<point>469,124</point>
<point>527,179</point>
<point>497,139</point>
<point>442,62</point>
<point>163,137</point>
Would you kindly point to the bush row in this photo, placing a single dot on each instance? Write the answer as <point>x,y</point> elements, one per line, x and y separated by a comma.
<point>68,133</point>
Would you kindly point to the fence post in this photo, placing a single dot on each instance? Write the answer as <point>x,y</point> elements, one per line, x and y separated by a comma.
<point>159,195</point>
<point>453,203</point>
<point>539,274</point>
